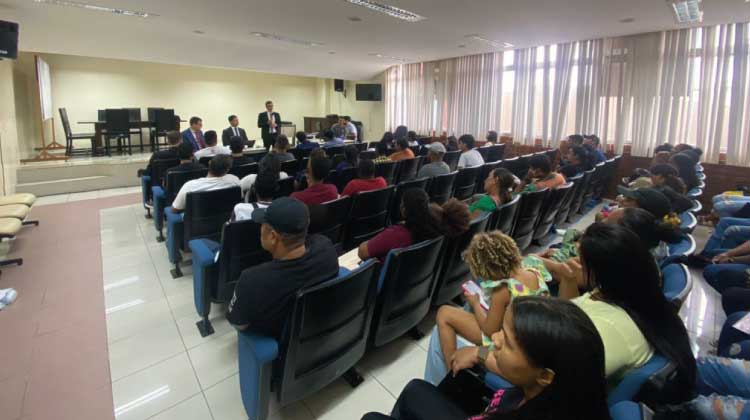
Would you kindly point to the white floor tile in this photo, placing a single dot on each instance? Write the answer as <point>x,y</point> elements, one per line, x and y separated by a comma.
<point>129,258</point>
<point>194,408</point>
<point>189,332</point>
<point>225,399</point>
<point>51,199</point>
<point>395,365</point>
<point>144,289</point>
<point>136,319</point>
<point>89,195</point>
<point>215,360</point>
<point>339,401</point>
<point>142,272</point>
<point>144,349</point>
<point>154,390</point>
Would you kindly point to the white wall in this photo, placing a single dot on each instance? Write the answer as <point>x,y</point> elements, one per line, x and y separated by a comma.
<point>83,85</point>
<point>8,130</point>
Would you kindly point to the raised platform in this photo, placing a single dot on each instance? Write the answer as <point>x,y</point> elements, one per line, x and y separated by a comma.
<point>80,174</point>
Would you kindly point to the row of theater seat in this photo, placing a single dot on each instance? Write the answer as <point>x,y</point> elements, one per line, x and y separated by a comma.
<point>14,210</point>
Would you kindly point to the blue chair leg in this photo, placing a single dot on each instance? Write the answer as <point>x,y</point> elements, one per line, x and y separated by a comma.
<point>256,354</point>
<point>159,203</point>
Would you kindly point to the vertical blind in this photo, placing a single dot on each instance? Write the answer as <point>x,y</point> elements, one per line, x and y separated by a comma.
<point>683,86</point>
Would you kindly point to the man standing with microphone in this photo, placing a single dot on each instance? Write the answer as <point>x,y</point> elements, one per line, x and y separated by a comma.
<point>269,123</point>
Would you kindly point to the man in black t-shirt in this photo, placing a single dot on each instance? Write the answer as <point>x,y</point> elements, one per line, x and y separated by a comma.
<point>264,294</point>
<point>174,138</point>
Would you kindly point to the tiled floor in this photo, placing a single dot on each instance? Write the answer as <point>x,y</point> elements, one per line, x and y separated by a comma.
<point>88,195</point>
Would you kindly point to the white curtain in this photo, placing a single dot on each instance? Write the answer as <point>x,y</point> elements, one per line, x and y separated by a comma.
<point>409,96</point>
<point>522,129</point>
<point>555,121</point>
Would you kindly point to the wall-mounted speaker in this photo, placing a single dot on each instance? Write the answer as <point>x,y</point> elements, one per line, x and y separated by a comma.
<point>338,85</point>
<point>8,40</point>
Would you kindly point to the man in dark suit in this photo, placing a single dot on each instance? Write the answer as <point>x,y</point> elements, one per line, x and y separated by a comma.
<point>233,130</point>
<point>194,135</point>
<point>269,123</point>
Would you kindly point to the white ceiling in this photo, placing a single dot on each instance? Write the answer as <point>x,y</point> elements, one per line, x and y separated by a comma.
<point>228,25</point>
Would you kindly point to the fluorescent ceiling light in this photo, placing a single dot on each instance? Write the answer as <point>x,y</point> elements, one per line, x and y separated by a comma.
<point>491,42</point>
<point>687,11</point>
<point>274,37</point>
<point>94,7</point>
<point>389,10</point>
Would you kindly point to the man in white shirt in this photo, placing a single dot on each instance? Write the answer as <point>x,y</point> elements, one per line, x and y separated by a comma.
<point>351,129</point>
<point>263,189</point>
<point>470,157</point>
<point>217,179</point>
<point>212,148</point>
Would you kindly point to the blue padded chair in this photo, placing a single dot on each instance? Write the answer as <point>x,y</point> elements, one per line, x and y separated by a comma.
<point>688,222</point>
<point>405,288</point>
<point>163,197</point>
<point>495,382</point>
<point>697,207</point>
<point>676,283</point>
<point>205,214</point>
<point>701,176</point>
<point>628,410</point>
<point>321,342</point>
<point>159,169</point>
<point>454,271</point>
<point>685,246</point>
<point>695,193</point>
<point>214,278</point>
<point>656,370</point>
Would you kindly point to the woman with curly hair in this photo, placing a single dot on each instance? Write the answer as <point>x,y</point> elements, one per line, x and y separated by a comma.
<point>502,274</point>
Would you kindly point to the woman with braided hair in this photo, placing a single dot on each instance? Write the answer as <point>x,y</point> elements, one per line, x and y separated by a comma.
<point>502,274</point>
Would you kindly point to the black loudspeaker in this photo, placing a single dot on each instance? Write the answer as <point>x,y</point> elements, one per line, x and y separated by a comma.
<point>8,40</point>
<point>338,85</point>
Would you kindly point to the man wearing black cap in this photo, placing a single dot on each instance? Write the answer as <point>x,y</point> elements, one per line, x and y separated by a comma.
<point>647,199</point>
<point>264,294</point>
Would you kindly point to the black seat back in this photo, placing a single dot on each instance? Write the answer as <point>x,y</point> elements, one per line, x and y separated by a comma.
<point>465,184</point>
<point>159,169</point>
<point>528,213</point>
<point>240,249</point>
<point>504,217</point>
<point>484,172</point>
<point>395,212</point>
<point>65,122</point>
<point>206,212</point>
<point>441,187</point>
<point>387,170</point>
<point>290,167</point>
<point>562,213</point>
<point>368,154</point>
<point>163,120</point>
<point>286,187</point>
<point>335,150</point>
<point>451,159</point>
<point>151,114</point>
<point>134,113</point>
<point>328,332</point>
<point>344,176</point>
<point>241,171</point>
<point>118,122</point>
<point>330,218</point>
<point>300,153</point>
<point>550,207</point>
<point>552,155</point>
<point>495,153</point>
<point>406,284</point>
<point>454,271</point>
<point>369,216</point>
<point>205,160</point>
<point>175,181</point>
<point>407,170</point>
<point>579,200</point>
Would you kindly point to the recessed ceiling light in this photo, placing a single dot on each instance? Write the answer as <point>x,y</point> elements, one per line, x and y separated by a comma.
<point>355,18</point>
<point>274,37</point>
<point>687,11</point>
<point>493,43</point>
<point>462,46</point>
<point>627,20</point>
<point>389,10</point>
<point>198,31</point>
<point>96,8</point>
<point>332,52</point>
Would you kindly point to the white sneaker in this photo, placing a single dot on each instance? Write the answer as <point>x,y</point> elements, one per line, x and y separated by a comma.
<point>7,296</point>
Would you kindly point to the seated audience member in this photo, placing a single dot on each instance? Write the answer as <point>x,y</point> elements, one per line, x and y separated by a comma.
<point>351,158</point>
<point>237,145</point>
<point>576,162</point>
<point>735,299</point>
<point>401,132</point>
<point>593,141</point>
<point>665,147</point>
<point>194,135</point>
<point>269,163</point>
<point>548,350</point>
<point>575,140</point>
<point>174,139</point>
<point>303,143</point>
<point>388,139</point>
<point>411,136</point>
<point>730,232</point>
<point>727,206</point>
<point>470,157</point>
<point>728,267</point>
<point>330,141</point>
<point>351,129</point>
<point>367,180</point>
<point>421,222</point>
<point>382,150</point>
<point>686,169</point>
<point>264,295</point>
<point>650,200</point>
<point>491,138</point>
<point>217,179</point>
<point>281,149</point>
<point>339,130</point>
<point>212,148</point>
<point>317,191</point>
<point>627,306</point>
<point>403,151</point>
<point>451,144</point>
<point>665,174</point>
<point>187,161</point>
<point>263,190</point>
<point>436,167</point>
<point>540,175</point>
<point>497,191</point>
<point>503,274</point>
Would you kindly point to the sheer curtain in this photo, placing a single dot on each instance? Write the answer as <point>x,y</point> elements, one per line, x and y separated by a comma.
<point>409,96</point>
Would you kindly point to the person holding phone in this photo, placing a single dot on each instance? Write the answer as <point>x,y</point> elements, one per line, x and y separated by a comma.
<point>502,274</point>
